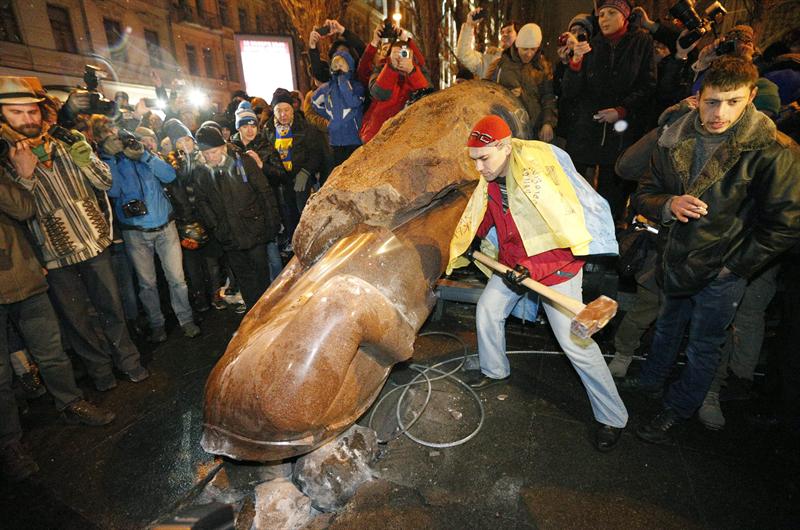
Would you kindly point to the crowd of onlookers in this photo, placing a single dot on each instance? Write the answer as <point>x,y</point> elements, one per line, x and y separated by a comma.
<point>88,200</point>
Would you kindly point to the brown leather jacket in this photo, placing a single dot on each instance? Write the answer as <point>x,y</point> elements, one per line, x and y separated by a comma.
<point>21,274</point>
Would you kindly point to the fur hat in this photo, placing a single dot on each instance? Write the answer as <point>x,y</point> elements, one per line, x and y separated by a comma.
<point>281,95</point>
<point>144,132</point>
<point>209,137</point>
<point>529,36</point>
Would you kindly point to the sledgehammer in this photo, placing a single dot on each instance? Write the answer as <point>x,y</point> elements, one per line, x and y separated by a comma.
<point>589,318</point>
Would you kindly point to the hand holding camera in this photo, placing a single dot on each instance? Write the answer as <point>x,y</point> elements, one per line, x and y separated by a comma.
<point>683,53</point>
<point>475,15</point>
<point>80,151</point>
<point>131,147</point>
<point>403,61</point>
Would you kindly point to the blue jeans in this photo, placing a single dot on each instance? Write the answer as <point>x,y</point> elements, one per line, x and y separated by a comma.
<point>141,248</point>
<point>494,306</point>
<point>124,274</point>
<point>708,314</point>
<point>275,261</point>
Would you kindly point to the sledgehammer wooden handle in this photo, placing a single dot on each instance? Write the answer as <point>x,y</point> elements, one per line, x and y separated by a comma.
<point>589,318</point>
<point>570,304</point>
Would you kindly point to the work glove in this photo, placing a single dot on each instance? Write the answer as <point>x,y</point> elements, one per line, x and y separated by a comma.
<point>301,179</point>
<point>517,275</point>
<point>80,151</point>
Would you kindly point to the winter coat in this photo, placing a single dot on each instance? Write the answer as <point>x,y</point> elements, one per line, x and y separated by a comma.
<point>21,273</point>
<point>752,187</point>
<point>341,101</point>
<point>307,154</point>
<point>69,226</point>
<point>390,90</point>
<point>536,81</point>
<point>143,180</point>
<point>236,203</point>
<point>621,76</point>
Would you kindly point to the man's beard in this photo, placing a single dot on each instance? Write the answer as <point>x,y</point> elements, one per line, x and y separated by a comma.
<point>30,131</point>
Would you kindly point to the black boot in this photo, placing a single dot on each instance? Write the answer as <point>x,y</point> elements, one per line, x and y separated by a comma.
<point>656,432</point>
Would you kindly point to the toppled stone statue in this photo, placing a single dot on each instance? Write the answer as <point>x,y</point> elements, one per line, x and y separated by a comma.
<point>312,355</point>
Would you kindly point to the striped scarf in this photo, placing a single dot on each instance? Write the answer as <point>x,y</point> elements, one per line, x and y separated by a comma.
<point>283,144</point>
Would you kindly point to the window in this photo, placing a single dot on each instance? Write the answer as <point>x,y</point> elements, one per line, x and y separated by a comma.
<point>230,66</point>
<point>9,29</point>
<point>62,29</point>
<point>242,21</point>
<point>208,60</point>
<point>259,24</point>
<point>153,48</point>
<point>222,7</point>
<point>117,43</point>
<point>191,59</point>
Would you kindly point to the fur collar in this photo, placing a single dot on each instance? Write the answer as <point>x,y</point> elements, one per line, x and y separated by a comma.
<point>754,132</point>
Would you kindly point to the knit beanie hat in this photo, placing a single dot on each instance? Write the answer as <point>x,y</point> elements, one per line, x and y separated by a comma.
<point>583,20</point>
<point>174,129</point>
<point>741,32</point>
<point>245,115</point>
<point>209,137</point>
<point>529,36</point>
<point>767,99</point>
<point>281,95</point>
<point>144,132</point>
<point>623,6</point>
<point>487,131</point>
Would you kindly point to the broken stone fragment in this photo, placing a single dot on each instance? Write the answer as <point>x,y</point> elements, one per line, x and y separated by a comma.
<point>281,506</point>
<point>332,474</point>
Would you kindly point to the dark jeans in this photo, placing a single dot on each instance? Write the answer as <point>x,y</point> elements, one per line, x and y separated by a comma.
<point>202,270</point>
<point>251,268</point>
<point>708,315</point>
<point>342,153</point>
<point>81,290</point>
<point>38,324</point>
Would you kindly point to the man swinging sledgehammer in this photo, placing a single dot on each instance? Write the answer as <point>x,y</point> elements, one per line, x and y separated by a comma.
<point>544,215</point>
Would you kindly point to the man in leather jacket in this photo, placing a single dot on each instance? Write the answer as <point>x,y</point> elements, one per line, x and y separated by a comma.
<point>723,185</point>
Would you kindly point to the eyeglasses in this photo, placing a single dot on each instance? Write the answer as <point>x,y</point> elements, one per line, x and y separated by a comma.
<point>481,137</point>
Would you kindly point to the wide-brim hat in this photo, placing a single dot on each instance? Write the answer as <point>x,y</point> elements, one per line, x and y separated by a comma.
<point>17,91</point>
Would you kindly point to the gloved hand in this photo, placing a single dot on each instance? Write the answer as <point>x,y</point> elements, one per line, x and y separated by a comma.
<point>112,145</point>
<point>134,151</point>
<point>301,179</point>
<point>516,275</point>
<point>80,151</point>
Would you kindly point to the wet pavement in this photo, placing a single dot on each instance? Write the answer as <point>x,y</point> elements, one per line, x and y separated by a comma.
<point>531,465</point>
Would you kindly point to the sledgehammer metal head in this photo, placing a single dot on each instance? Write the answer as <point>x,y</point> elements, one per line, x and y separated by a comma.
<point>594,316</point>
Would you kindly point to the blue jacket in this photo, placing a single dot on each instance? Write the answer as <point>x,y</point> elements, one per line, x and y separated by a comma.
<point>141,179</point>
<point>341,101</point>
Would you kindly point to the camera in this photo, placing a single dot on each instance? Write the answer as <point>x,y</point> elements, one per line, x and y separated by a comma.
<point>405,53</point>
<point>479,15</point>
<point>134,208</point>
<point>698,26</point>
<point>324,30</point>
<point>98,103</point>
<point>726,47</point>
<point>128,140</point>
<point>388,32</point>
<point>63,135</point>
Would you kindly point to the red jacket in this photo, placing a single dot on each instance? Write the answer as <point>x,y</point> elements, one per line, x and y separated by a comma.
<point>543,267</point>
<point>390,91</point>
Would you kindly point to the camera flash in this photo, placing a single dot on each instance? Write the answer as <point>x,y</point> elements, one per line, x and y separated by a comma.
<point>396,17</point>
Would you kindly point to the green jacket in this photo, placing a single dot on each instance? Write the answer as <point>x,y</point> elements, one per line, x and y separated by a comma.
<point>21,274</point>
